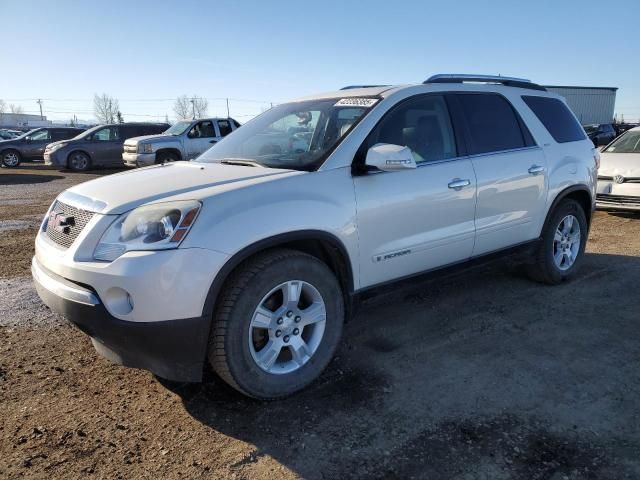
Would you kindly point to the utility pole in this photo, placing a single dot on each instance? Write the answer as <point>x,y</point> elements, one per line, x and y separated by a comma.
<point>228,115</point>
<point>193,107</point>
<point>39,102</point>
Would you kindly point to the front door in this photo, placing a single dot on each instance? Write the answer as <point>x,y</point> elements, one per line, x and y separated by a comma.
<point>511,172</point>
<point>36,143</point>
<point>106,146</point>
<point>200,138</point>
<point>416,220</point>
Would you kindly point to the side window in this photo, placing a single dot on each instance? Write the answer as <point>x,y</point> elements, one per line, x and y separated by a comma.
<point>107,134</point>
<point>202,130</point>
<point>61,134</point>
<point>225,127</point>
<point>556,118</point>
<point>492,123</point>
<point>421,123</point>
<point>40,136</point>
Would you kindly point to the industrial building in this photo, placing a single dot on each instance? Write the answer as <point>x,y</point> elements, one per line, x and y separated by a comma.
<point>590,104</point>
<point>22,121</point>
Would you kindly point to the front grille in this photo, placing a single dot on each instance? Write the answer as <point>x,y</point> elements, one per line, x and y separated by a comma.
<point>66,236</point>
<point>618,199</point>
<point>626,179</point>
<point>130,149</point>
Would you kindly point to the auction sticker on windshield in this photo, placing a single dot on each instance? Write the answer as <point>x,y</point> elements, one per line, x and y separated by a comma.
<point>356,102</point>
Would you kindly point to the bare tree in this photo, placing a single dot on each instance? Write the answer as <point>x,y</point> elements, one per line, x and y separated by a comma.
<point>190,107</point>
<point>3,108</point>
<point>105,108</point>
<point>17,109</point>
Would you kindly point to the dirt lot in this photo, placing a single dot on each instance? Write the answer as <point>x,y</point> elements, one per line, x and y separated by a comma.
<point>482,376</point>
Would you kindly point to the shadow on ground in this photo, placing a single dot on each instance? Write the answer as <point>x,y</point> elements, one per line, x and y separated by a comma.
<point>26,178</point>
<point>486,375</point>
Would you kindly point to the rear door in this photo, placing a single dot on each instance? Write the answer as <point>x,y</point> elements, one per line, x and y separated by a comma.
<point>416,220</point>
<point>510,168</point>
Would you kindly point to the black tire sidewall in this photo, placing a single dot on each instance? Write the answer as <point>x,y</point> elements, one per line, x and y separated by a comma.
<point>247,374</point>
<point>166,157</point>
<point>566,207</point>
<point>11,151</point>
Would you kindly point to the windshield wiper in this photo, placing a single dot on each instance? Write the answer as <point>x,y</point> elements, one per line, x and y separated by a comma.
<point>240,161</point>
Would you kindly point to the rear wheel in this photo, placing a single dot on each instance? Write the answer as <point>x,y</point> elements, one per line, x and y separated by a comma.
<point>79,162</point>
<point>277,325</point>
<point>562,244</point>
<point>11,158</point>
<point>163,157</point>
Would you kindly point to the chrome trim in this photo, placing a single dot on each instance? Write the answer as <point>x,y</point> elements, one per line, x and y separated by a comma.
<point>82,202</point>
<point>470,77</point>
<point>61,286</point>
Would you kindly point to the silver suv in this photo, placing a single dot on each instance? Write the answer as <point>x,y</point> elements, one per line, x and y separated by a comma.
<point>183,141</point>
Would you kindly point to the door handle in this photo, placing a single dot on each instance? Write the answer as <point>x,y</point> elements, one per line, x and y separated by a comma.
<point>535,169</point>
<point>457,183</point>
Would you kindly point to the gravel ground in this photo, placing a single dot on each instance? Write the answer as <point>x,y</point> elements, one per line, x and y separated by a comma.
<point>480,376</point>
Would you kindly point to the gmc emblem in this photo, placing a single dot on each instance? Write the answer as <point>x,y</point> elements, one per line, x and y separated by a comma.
<point>60,222</point>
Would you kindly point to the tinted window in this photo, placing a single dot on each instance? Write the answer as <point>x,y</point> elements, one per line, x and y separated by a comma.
<point>62,134</point>
<point>420,123</point>
<point>225,127</point>
<point>492,123</point>
<point>556,118</point>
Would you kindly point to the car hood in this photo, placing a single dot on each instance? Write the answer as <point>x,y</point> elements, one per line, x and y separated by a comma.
<point>152,139</point>
<point>119,193</point>
<point>625,164</point>
<point>9,142</point>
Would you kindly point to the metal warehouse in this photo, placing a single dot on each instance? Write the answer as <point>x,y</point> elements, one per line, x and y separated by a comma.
<point>590,104</point>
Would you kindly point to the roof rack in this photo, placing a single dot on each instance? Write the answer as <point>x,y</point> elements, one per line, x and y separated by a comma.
<point>506,81</point>
<point>350,87</point>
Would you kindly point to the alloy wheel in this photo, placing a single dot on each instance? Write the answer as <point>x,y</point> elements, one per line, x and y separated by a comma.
<point>566,242</point>
<point>11,159</point>
<point>287,327</point>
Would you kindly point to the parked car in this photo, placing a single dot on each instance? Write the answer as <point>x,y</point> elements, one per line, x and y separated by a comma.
<point>600,134</point>
<point>183,141</point>
<point>253,256</point>
<point>6,135</point>
<point>99,146</point>
<point>619,173</point>
<point>31,145</point>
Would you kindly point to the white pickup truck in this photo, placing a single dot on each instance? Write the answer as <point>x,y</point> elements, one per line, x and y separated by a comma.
<point>183,141</point>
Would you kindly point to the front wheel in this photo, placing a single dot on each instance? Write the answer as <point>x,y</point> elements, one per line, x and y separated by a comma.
<point>277,325</point>
<point>11,158</point>
<point>562,244</point>
<point>79,162</point>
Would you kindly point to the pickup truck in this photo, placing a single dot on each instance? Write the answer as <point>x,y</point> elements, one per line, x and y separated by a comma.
<point>185,140</point>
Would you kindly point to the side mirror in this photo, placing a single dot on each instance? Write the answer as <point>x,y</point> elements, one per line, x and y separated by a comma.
<point>389,158</point>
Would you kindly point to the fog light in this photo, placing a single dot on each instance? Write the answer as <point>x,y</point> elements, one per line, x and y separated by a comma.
<point>118,301</point>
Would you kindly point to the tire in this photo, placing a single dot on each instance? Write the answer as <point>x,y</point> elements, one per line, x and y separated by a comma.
<point>79,161</point>
<point>11,158</point>
<point>237,345</point>
<point>163,157</point>
<point>555,240</point>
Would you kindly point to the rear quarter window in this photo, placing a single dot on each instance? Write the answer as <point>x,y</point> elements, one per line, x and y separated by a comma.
<point>556,118</point>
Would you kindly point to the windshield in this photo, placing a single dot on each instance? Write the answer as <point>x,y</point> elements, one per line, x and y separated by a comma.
<point>295,136</point>
<point>628,142</point>
<point>177,129</point>
<point>87,133</point>
<point>591,129</point>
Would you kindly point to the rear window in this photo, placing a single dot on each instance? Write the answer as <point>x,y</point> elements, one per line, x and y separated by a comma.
<point>492,123</point>
<point>556,118</point>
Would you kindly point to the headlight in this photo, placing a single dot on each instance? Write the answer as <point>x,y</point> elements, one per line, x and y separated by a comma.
<point>158,226</point>
<point>57,147</point>
<point>145,148</point>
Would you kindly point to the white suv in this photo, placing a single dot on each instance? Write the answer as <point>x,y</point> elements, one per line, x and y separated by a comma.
<point>253,255</point>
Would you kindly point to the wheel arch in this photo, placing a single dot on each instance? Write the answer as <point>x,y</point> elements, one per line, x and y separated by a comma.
<point>320,244</point>
<point>579,193</point>
<point>173,150</point>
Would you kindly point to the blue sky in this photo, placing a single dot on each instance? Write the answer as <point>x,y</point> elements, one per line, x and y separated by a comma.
<point>145,53</point>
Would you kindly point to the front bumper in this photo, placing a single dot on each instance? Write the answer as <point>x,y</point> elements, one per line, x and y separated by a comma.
<point>53,158</point>
<point>139,159</point>
<point>172,349</point>
<point>614,196</point>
